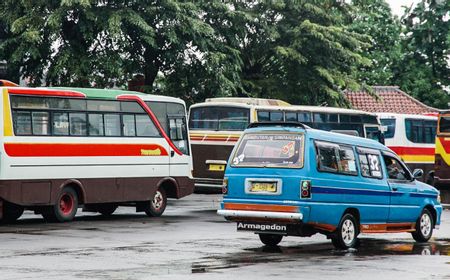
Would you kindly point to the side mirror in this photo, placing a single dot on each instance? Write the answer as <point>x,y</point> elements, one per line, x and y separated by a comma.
<point>418,173</point>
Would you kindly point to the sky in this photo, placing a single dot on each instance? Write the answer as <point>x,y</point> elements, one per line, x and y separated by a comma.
<point>396,6</point>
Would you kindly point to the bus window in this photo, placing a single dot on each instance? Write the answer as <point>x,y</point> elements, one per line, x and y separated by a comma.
<point>77,124</point>
<point>419,131</point>
<point>219,118</point>
<point>325,118</point>
<point>270,116</point>
<point>112,124</point>
<point>172,118</point>
<point>304,117</point>
<point>40,121</point>
<point>96,125</point>
<point>291,116</point>
<point>444,124</point>
<point>233,119</point>
<point>390,127</point>
<point>61,124</point>
<point>22,123</point>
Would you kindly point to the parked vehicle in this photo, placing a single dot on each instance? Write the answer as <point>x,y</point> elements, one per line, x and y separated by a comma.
<point>286,179</point>
<point>215,127</point>
<point>412,138</point>
<point>441,177</point>
<point>70,147</point>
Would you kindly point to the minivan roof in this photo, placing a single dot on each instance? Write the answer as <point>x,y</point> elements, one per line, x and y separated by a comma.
<point>326,136</point>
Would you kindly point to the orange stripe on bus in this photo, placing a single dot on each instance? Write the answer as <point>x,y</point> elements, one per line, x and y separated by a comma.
<point>261,207</point>
<point>82,150</point>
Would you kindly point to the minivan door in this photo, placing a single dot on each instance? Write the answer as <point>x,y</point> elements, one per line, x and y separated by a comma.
<point>404,206</point>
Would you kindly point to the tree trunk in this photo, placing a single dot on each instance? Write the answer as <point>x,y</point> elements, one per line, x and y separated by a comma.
<point>151,67</point>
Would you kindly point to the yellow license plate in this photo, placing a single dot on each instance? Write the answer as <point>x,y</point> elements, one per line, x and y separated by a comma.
<point>216,167</point>
<point>263,187</point>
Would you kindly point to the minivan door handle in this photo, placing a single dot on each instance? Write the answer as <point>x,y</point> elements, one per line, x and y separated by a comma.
<point>394,189</point>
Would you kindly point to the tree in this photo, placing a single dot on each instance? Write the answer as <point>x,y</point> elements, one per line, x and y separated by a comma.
<point>424,70</point>
<point>374,18</point>
<point>299,51</point>
<point>105,42</point>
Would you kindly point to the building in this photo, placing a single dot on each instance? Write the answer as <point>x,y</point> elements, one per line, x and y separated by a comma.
<point>390,100</point>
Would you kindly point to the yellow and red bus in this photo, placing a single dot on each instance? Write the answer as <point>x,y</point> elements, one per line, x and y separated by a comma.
<point>65,148</point>
<point>442,159</point>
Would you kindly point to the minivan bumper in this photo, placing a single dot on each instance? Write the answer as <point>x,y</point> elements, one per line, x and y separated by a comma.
<point>259,214</point>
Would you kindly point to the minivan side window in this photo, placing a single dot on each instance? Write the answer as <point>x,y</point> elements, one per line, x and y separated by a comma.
<point>395,170</point>
<point>370,165</point>
<point>336,158</point>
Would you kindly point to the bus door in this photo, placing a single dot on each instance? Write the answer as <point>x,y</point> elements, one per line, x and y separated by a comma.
<point>180,165</point>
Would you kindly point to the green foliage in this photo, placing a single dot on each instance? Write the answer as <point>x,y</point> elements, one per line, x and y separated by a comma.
<point>304,52</point>
<point>374,18</point>
<point>104,43</point>
<point>424,70</point>
<point>300,51</point>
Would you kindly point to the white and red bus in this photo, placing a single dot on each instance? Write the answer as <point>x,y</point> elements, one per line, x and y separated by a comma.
<point>65,148</point>
<point>412,137</point>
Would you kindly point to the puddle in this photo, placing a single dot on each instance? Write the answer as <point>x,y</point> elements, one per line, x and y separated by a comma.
<point>368,249</point>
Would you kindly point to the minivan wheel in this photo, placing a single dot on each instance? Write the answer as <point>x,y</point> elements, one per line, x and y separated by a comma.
<point>424,227</point>
<point>270,239</point>
<point>346,233</point>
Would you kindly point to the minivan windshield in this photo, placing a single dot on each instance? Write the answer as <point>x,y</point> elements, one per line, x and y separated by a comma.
<point>281,150</point>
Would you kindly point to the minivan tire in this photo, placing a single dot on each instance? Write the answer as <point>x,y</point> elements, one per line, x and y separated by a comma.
<point>346,234</point>
<point>271,240</point>
<point>424,227</point>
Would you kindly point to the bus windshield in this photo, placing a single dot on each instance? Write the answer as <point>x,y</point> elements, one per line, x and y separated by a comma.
<point>270,150</point>
<point>219,118</point>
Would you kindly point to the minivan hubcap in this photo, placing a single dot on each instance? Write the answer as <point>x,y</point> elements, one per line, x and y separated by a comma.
<point>348,232</point>
<point>158,200</point>
<point>425,225</point>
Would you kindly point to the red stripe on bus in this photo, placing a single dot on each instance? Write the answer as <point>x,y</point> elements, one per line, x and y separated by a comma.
<point>153,117</point>
<point>413,150</point>
<point>82,150</point>
<point>46,92</point>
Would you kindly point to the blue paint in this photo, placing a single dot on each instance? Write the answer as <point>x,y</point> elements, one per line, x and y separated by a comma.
<point>378,200</point>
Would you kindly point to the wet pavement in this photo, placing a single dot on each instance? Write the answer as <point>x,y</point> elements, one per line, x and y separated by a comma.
<point>191,242</point>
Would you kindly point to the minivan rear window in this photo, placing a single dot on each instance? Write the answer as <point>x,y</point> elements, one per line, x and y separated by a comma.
<point>270,150</point>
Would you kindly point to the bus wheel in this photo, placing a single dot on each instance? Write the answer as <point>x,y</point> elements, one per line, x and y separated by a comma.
<point>346,234</point>
<point>65,208</point>
<point>424,227</point>
<point>157,205</point>
<point>270,239</point>
<point>107,209</point>
<point>11,212</point>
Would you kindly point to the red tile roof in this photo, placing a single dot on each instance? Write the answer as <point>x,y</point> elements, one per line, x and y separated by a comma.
<point>391,100</point>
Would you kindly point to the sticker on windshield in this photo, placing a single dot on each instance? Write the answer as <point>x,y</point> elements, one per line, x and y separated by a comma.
<point>238,159</point>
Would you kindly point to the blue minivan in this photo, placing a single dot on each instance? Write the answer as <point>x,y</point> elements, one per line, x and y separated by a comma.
<point>286,179</point>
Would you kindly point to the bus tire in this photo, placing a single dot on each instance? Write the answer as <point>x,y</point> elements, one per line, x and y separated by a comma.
<point>346,234</point>
<point>11,212</point>
<point>156,206</point>
<point>270,240</point>
<point>107,209</point>
<point>424,227</point>
<point>65,207</point>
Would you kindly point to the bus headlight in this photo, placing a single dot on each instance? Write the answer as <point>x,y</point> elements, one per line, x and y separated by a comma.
<point>225,185</point>
<point>439,198</point>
